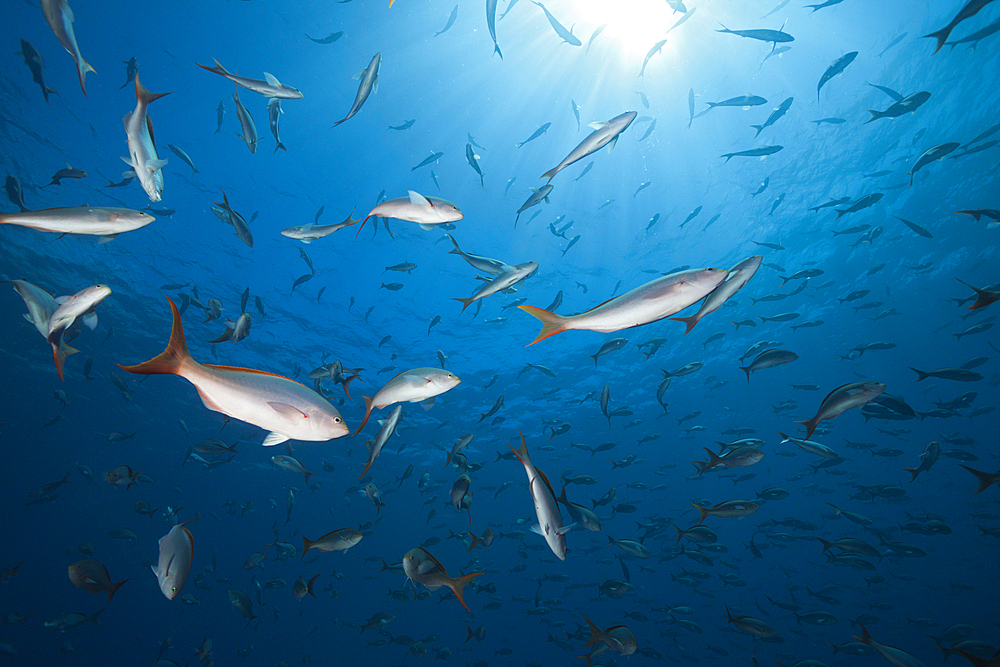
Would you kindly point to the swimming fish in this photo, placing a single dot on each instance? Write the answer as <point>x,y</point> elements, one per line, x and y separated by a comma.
<point>60,18</point>
<point>567,35</point>
<point>419,385</point>
<point>269,87</point>
<point>247,125</point>
<point>604,134</point>
<point>369,83</point>
<point>425,211</point>
<point>174,562</point>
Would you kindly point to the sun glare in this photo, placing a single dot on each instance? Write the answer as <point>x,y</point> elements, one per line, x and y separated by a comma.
<point>633,26</point>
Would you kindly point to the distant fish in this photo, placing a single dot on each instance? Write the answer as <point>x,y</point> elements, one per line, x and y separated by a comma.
<point>774,36</point>
<point>780,111</point>
<point>538,195</point>
<point>220,113</point>
<point>33,59</point>
<point>179,152</point>
<point>369,83</point>
<point>893,43</point>
<point>405,126</point>
<point>753,152</point>
<point>741,101</point>
<point>908,104</point>
<point>249,128</point>
<point>974,39</point>
<point>932,154</point>
<point>597,31</point>
<point>60,18</point>
<point>604,134</point>
<point>311,232</point>
<point>491,22</point>
<point>567,35</point>
<point>838,66</point>
<point>425,211</point>
<point>451,21</point>
<point>273,114</point>
<point>434,157</point>
<point>329,39</point>
<point>828,3</point>
<point>269,87</point>
<point>888,91</point>
<point>537,133</point>
<point>473,160</point>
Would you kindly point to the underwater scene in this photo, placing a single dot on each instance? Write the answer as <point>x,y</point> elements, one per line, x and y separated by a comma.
<point>515,332</point>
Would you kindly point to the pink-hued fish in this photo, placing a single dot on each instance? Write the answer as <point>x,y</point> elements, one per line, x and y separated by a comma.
<point>842,398</point>
<point>60,18</point>
<point>425,211</point>
<point>142,156</point>
<point>284,407</point>
<point>419,385</point>
<point>78,306</point>
<point>739,276</point>
<point>95,220</point>
<point>651,302</point>
<point>174,563</point>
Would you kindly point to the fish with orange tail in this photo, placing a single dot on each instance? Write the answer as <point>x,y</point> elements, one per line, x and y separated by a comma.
<point>419,385</point>
<point>421,567</point>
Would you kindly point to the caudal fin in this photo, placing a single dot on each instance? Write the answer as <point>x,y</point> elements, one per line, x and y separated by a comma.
<point>923,375</point>
<point>306,546</point>
<point>941,36</point>
<point>690,321</point>
<point>368,413</point>
<point>169,361</point>
<point>986,479</point>
<point>143,95</point>
<point>551,323</point>
<point>82,67</point>
<point>59,353</point>
<point>810,425</point>
<point>914,472</point>
<point>551,173</point>
<point>596,634</point>
<point>522,451</point>
<point>701,510</point>
<point>114,587</point>
<point>457,585</point>
<point>465,302</point>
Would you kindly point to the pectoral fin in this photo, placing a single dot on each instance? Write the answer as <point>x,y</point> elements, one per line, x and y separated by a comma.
<point>274,438</point>
<point>155,165</point>
<point>288,412</point>
<point>428,404</point>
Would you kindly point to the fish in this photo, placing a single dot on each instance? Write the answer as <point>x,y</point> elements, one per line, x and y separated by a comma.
<point>329,39</point>
<point>478,262</point>
<point>419,385</point>
<point>451,21</point>
<point>763,35</point>
<point>928,458</point>
<point>550,525</point>
<point>472,158</point>
<point>15,193</point>
<point>932,154</point>
<point>844,397</point>
<point>648,303</point>
<point>956,374</point>
<point>609,347</point>
<point>220,112</point>
<point>247,125</point>
<point>179,152</point>
<point>233,218</point>
<point>838,66</point>
<point>690,107</point>
<point>283,407</point>
<point>681,20</point>
<point>33,59</point>
<point>894,655</point>
<point>142,157</point>
<point>502,282</point>
<point>174,562</point>
<point>727,509</point>
<point>425,211</point>
<point>431,159</point>
<point>388,427</point>
<point>60,18</point>
<point>78,306</point>
<point>657,48</point>
<point>773,118</point>
<point>537,133</point>
<point>917,229</point>
<point>405,126</point>
<point>538,195</point>
<point>91,575</point>
<point>421,567</point>
<point>68,172</point>
<point>618,638</point>
<point>769,359</point>
<point>491,23</point>
<point>968,10</point>
<point>753,152</point>
<point>369,83</point>
<point>312,232</point>
<point>567,35</point>
<point>741,101</point>
<point>908,104</point>
<point>860,204</point>
<point>888,91</point>
<point>337,540</point>
<point>269,87</point>
<point>597,31</point>
<point>41,305</point>
<point>273,114</point>
<point>604,134</point>
<point>301,587</point>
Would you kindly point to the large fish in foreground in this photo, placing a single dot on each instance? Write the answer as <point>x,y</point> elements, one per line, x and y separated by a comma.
<point>369,83</point>
<point>142,157</point>
<point>284,407</point>
<point>549,524</point>
<point>604,134</point>
<point>425,211</point>
<point>60,18</point>
<point>845,397</point>
<point>651,302</point>
<point>95,220</point>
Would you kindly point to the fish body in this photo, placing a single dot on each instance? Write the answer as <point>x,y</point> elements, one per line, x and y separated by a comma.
<point>431,159</point>
<point>550,524</point>
<point>425,211</point>
<point>284,407</point>
<point>270,87</point>
<point>500,283</point>
<point>413,386</point>
<point>537,133</point>
<point>60,18</point>
<point>838,66</point>
<point>773,118</point>
<point>968,10</point>
<point>247,125</point>
<point>220,112</point>
<point>851,395</point>
<point>763,35</point>
<point>142,155</point>
<point>753,152</point>
<point>472,158</point>
<point>741,101</point>
<point>478,262</point>
<point>421,567</point>
<point>451,21</point>
<point>179,152</point>
<point>388,427</point>
<point>930,455</point>
<point>491,23</point>
<point>860,204</point>
<point>738,276</point>
<point>311,232</point>
<point>538,195</point>
<point>369,82</point>
<point>651,302</point>
<point>337,540</point>
<point>273,114</point>
<point>908,104</point>
<point>228,215</point>
<point>604,134</point>
<point>33,59</point>
<point>769,359</point>
<point>567,35</point>
<point>932,154</point>
<point>91,575</point>
<point>174,562</point>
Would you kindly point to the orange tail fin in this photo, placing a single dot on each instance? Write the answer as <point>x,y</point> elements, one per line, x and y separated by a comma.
<point>551,323</point>
<point>368,413</point>
<point>169,361</point>
<point>144,95</point>
<point>701,510</point>
<point>689,321</point>
<point>457,585</point>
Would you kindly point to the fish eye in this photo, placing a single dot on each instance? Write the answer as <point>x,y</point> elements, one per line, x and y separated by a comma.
<point>337,420</point>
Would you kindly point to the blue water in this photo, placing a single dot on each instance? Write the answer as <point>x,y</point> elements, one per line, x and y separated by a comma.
<point>453,87</point>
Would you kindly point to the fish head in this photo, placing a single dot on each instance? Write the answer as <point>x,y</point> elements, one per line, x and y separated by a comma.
<point>706,278</point>
<point>445,210</point>
<point>326,422</point>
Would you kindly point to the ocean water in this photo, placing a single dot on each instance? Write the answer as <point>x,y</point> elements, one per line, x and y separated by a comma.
<point>931,542</point>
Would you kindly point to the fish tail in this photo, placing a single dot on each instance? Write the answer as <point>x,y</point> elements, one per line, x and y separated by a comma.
<point>282,147</point>
<point>368,413</point>
<point>457,585</point>
<point>496,49</point>
<point>456,250</point>
<point>114,587</point>
<point>143,95</point>
<point>810,425</point>
<point>986,479</point>
<point>825,543</point>
<point>362,226</point>
<point>522,451</point>
<point>690,321</point>
<point>922,375</point>
<point>595,633</point>
<point>941,36</point>
<point>306,546</point>
<point>550,174</point>
<point>594,357</point>
<point>747,370</point>
<point>702,511</point>
<point>170,361</point>
<point>551,323</point>
<point>82,67</point>
<point>759,129</point>
<point>914,472</point>
<point>59,354</point>
<point>465,302</point>
<point>867,638</point>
